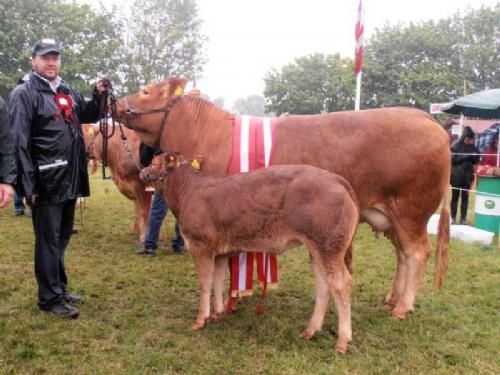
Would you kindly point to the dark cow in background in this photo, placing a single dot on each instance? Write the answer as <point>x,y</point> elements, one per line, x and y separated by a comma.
<point>125,170</point>
<point>271,209</point>
<point>396,159</point>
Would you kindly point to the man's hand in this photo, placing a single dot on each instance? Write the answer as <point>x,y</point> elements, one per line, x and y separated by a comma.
<point>31,199</point>
<point>102,85</point>
<point>6,194</point>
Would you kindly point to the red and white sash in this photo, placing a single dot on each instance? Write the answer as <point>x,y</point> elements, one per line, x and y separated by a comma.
<point>253,144</point>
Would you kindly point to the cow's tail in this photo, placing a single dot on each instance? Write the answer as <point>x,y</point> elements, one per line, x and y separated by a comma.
<point>443,242</point>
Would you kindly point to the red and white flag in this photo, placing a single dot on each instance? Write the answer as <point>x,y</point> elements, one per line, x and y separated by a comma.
<point>253,144</point>
<point>358,34</point>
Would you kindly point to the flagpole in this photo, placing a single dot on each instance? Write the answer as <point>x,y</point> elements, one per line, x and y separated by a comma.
<point>358,53</point>
<point>358,91</point>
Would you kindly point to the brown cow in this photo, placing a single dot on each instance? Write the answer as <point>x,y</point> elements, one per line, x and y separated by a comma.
<point>125,170</point>
<point>271,209</point>
<point>396,159</point>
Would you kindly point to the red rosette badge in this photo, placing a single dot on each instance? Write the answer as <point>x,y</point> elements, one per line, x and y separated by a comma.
<point>64,107</point>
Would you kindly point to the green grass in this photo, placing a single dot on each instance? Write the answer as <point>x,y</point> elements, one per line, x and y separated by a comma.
<point>138,311</point>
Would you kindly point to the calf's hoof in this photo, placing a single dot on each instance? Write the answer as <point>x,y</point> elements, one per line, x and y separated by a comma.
<point>199,324</point>
<point>399,314</point>
<point>216,316</point>
<point>341,347</point>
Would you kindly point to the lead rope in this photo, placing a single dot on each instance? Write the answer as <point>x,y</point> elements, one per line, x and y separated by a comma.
<point>111,101</point>
<point>107,100</point>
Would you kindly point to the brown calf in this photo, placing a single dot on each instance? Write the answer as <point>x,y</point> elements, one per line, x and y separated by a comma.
<point>271,209</point>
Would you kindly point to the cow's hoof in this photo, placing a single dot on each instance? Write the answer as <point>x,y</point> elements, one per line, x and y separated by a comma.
<point>386,305</point>
<point>308,334</point>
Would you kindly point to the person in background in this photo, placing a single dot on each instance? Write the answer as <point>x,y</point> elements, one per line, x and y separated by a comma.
<point>46,115</point>
<point>464,158</point>
<point>488,165</point>
<point>8,171</point>
<point>157,214</point>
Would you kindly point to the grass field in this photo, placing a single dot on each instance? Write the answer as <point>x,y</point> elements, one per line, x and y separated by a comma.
<point>138,311</point>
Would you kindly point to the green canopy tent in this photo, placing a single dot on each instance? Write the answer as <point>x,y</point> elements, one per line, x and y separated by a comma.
<point>482,104</point>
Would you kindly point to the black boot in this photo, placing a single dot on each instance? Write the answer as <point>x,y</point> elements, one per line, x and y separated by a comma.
<point>146,251</point>
<point>61,309</point>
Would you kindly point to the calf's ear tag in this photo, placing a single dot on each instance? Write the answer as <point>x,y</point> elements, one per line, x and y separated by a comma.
<point>195,164</point>
<point>179,91</point>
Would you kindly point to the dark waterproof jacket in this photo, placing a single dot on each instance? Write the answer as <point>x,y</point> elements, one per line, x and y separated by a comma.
<point>7,157</point>
<point>50,152</point>
<point>462,166</point>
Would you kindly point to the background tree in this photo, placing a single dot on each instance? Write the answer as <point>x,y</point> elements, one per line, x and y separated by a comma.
<point>411,66</point>
<point>164,41</point>
<point>414,65</point>
<point>253,105</point>
<point>90,42</point>
<point>313,84</point>
<point>480,47</point>
<point>433,61</point>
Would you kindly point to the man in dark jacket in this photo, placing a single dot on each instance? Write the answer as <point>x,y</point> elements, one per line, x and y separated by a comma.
<point>7,159</point>
<point>464,158</point>
<point>46,114</point>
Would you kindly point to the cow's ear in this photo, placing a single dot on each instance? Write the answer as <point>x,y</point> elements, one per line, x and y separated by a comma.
<point>177,86</point>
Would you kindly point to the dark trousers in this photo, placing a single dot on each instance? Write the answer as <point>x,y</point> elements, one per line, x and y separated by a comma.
<point>52,225</point>
<point>464,203</point>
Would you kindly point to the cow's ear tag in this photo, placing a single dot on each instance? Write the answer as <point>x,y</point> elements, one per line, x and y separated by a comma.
<point>90,131</point>
<point>195,164</point>
<point>178,91</point>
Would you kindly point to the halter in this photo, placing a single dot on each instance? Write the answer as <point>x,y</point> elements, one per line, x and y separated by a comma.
<point>150,178</point>
<point>166,110</point>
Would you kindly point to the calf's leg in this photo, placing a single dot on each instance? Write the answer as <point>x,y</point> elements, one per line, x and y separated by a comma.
<point>205,266</point>
<point>339,281</point>
<point>320,303</point>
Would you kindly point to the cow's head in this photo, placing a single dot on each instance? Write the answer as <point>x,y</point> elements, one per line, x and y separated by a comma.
<point>146,110</point>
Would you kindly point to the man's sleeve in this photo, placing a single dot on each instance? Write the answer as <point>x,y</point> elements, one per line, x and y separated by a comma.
<point>20,117</point>
<point>88,110</point>
<point>8,170</point>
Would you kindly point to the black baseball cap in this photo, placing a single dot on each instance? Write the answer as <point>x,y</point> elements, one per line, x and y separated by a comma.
<point>44,46</point>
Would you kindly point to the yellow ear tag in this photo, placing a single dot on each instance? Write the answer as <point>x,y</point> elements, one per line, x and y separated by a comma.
<point>178,91</point>
<point>90,131</point>
<point>195,164</point>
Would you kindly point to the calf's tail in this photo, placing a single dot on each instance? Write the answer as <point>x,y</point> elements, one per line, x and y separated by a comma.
<point>443,242</point>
